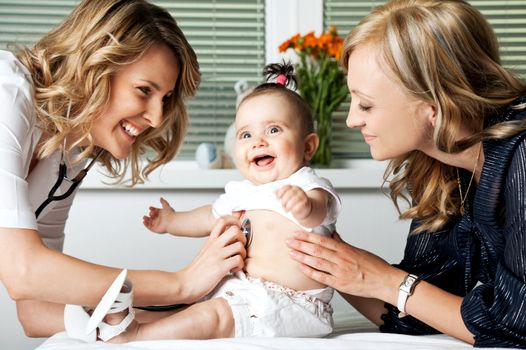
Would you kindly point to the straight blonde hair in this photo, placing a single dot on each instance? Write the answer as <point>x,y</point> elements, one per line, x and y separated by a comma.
<point>72,65</point>
<point>446,53</point>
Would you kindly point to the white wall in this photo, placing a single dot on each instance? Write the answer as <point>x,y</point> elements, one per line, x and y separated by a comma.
<point>105,225</point>
<point>287,18</point>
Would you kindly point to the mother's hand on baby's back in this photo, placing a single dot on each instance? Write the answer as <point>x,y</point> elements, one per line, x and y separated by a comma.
<point>331,261</point>
<point>317,257</point>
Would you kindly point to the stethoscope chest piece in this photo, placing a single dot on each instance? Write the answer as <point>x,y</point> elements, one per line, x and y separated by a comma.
<point>247,231</point>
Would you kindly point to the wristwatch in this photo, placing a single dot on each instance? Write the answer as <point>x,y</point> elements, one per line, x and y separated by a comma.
<point>405,291</point>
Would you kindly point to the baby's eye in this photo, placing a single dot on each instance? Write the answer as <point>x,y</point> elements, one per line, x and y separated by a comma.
<point>245,135</point>
<point>273,130</point>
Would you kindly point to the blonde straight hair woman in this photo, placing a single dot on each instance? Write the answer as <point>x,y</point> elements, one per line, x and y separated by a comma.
<point>430,95</point>
<point>108,83</point>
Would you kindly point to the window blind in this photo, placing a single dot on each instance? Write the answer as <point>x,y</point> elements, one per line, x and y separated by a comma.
<point>229,39</point>
<point>507,17</point>
<point>227,35</point>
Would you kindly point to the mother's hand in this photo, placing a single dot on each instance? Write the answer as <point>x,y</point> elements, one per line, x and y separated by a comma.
<point>223,252</point>
<point>348,269</point>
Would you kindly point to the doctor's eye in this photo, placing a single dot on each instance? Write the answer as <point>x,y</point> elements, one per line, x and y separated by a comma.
<point>145,89</point>
<point>166,98</point>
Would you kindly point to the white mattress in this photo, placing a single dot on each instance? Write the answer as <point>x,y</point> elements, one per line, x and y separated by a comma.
<point>351,332</point>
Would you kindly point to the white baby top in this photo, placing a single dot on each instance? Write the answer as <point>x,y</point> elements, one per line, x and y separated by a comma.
<point>22,193</point>
<point>244,195</point>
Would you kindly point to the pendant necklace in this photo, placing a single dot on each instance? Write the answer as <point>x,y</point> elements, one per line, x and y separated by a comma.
<point>464,196</point>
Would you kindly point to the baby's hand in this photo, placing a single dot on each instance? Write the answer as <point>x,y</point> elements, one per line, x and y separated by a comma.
<point>159,218</point>
<point>295,200</point>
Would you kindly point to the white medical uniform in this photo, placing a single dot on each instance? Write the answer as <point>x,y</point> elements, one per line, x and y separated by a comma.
<point>22,193</point>
<point>264,308</point>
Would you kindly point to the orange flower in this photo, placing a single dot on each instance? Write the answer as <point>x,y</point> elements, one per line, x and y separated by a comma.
<point>290,43</point>
<point>310,40</point>
<point>317,61</point>
<point>328,43</point>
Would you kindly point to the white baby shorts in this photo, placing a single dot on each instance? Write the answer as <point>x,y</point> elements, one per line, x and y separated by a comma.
<point>266,309</point>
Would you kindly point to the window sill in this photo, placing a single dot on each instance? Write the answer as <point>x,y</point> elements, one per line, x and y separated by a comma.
<point>351,174</point>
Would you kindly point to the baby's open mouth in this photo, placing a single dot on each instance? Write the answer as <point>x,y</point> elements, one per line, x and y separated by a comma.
<point>263,160</point>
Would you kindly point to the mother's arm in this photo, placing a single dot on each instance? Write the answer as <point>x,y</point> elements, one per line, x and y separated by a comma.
<point>370,282</point>
<point>31,271</point>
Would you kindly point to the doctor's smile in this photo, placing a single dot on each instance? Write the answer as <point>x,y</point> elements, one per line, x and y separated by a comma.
<point>140,91</point>
<point>106,85</point>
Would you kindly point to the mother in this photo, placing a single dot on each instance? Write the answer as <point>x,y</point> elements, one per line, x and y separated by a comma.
<point>429,93</point>
<point>108,83</point>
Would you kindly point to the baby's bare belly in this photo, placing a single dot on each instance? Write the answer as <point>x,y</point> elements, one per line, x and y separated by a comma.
<point>268,255</point>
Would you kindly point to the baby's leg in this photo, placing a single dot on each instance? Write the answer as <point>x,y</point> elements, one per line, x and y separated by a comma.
<point>144,316</point>
<point>209,319</point>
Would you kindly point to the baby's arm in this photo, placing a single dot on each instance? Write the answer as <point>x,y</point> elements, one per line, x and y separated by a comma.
<point>197,222</point>
<point>309,208</point>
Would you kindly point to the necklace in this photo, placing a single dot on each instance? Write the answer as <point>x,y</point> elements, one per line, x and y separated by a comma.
<point>464,196</point>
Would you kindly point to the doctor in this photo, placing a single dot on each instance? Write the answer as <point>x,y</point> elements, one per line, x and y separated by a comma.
<point>106,84</point>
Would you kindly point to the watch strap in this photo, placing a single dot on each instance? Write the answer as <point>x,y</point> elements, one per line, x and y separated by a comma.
<point>405,291</point>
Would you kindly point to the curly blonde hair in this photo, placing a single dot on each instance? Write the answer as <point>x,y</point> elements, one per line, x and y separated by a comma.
<point>443,52</point>
<point>72,65</point>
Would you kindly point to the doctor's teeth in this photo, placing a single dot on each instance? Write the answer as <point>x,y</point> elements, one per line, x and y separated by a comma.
<point>130,129</point>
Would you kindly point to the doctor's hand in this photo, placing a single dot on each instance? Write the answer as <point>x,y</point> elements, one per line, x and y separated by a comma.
<point>159,219</point>
<point>346,268</point>
<point>222,253</point>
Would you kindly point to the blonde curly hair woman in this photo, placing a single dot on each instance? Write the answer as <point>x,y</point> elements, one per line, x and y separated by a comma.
<point>108,83</point>
<point>429,94</point>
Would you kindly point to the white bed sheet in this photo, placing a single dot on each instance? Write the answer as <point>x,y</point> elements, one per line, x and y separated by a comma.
<point>351,332</point>
<point>362,341</point>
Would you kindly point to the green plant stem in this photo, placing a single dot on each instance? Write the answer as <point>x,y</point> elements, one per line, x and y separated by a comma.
<point>323,86</point>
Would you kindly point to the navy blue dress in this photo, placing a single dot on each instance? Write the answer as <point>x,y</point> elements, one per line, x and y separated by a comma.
<point>480,256</point>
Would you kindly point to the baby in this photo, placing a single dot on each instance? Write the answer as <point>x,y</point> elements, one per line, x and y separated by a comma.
<point>275,139</point>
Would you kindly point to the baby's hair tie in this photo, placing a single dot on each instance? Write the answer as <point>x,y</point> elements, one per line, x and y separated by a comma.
<point>281,79</point>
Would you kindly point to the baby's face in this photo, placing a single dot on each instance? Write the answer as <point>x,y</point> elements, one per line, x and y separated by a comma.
<point>270,142</point>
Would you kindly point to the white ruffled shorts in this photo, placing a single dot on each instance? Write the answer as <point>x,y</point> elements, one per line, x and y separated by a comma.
<point>266,309</point>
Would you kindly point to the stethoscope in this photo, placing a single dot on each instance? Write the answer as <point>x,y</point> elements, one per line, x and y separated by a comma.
<point>246,229</point>
<point>62,175</point>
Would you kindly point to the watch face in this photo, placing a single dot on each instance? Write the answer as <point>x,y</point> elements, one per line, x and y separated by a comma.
<point>409,281</point>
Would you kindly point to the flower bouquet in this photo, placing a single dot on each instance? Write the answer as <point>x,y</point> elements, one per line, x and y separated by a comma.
<point>321,82</point>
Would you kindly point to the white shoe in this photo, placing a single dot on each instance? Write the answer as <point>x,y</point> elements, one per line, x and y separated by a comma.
<point>80,325</point>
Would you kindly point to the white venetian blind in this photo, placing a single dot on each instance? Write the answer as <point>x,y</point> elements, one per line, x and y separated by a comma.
<point>227,35</point>
<point>229,39</point>
<point>507,17</point>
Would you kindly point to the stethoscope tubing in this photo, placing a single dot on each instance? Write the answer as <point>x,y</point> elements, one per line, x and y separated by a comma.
<point>246,229</point>
<point>75,182</point>
<point>62,172</point>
